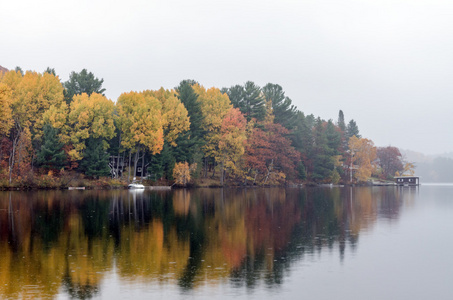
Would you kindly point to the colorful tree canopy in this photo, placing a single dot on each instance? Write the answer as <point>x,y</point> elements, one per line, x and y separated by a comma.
<point>90,117</point>
<point>363,154</point>
<point>140,121</point>
<point>6,116</point>
<point>241,135</point>
<point>174,115</point>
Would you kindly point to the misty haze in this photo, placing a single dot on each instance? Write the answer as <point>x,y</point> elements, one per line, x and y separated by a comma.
<point>226,149</point>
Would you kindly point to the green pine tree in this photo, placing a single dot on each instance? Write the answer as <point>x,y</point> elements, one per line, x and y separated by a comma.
<point>162,164</point>
<point>51,156</point>
<point>352,129</point>
<point>302,173</point>
<point>333,138</point>
<point>248,99</point>
<point>50,71</point>
<point>82,82</point>
<point>302,140</point>
<point>284,111</point>
<point>341,124</point>
<point>95,160</point>
<point>323,162</point>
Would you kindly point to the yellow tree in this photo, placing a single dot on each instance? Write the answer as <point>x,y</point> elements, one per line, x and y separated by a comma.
<point>181,172</point>
<point>31,95</point>
<point>6,117</point>
<point>57,117</point>
<point>364,155</point>
<point>231,144</point>
<point>140,124</point>
<point>175,119</point>
<point>34,94</point>
<point>11,79</point>
<point>214,107</point>
<point>409,169</point>
<point>90,117</point>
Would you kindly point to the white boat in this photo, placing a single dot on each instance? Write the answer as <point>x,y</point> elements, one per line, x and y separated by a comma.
<point>136,186</point>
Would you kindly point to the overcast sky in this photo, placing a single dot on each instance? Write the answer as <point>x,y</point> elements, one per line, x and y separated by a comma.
<point>387,64</point>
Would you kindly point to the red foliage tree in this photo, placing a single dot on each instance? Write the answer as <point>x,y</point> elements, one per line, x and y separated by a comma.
<point>391,161</point>
<point>270,158</point>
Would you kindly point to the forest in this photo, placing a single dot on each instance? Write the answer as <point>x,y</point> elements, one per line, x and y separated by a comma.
<point>55,134</point>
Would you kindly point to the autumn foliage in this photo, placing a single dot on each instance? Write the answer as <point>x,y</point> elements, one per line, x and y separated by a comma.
<point>243,135</point>
<point>364,156</point>
<point>270,158</point>
<point>181,173</point>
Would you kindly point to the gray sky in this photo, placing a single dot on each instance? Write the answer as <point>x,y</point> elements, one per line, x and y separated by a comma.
<point>386,64</point>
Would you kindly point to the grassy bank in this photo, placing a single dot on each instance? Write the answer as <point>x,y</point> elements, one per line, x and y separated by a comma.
<point>33,181</point>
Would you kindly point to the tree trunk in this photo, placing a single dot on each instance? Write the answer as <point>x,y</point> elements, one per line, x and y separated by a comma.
<point>19,158</point>
<point>135,163</point>
<point>269,171</point>
<point>11,158</point>
<point>118,160</point>
<point>129,166</point>
<point>122,165</point>
<point>205,167</point>
<point>221,173</point>
<point>213,171</point>
<point>143,164</point>
<point>32,162</point>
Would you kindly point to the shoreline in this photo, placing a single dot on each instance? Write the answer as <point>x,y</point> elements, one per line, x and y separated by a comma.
<point>119,185</point>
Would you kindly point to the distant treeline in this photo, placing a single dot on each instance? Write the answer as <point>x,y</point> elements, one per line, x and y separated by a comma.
<point>240,135</point>
<point>437,170</point>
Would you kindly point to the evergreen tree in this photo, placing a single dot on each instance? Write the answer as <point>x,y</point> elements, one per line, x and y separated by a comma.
<point>19,69</point>
<point>82,82</point>
<point>284,111</point>
<point>51,156</point>
<point>302,140</point>
<point>189,98</point>
<point>352,129</point>
<point>188,144</point>
<point>50,71</point>
<point>162,164</point>
<point>310,120</point>
<point>255,107</point>
<point>341,124</point>
<point>236,94</point>
<point>302,173</point>
<point>333,138</point>
<point>248,99</point>
<point>95,160</point>
<point>323,163</point>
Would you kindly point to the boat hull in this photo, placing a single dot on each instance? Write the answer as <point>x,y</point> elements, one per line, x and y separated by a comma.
<point>135,186</point>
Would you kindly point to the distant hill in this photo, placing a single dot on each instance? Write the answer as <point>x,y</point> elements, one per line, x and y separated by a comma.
<point>417,157</point>
<point>3,70</point>
<point>431,168</point>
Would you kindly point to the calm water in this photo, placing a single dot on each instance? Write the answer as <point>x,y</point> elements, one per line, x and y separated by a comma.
<point>320,243</point>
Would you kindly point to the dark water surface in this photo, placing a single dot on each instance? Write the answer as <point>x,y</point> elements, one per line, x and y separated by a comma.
<point>319,243</point>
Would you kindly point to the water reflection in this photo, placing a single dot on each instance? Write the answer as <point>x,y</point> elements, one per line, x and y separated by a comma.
<point>55,242</point>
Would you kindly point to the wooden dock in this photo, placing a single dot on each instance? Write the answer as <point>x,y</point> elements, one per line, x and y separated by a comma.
<point>383,183</point>
<point>159,188</point>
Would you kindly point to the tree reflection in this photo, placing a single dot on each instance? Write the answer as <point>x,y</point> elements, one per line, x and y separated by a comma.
<point>72,239</point>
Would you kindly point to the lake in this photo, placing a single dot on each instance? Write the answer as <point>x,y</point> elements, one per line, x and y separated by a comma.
<point>313,243</point>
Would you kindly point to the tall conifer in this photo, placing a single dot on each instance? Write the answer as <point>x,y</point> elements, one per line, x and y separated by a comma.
<point>51,156</point>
